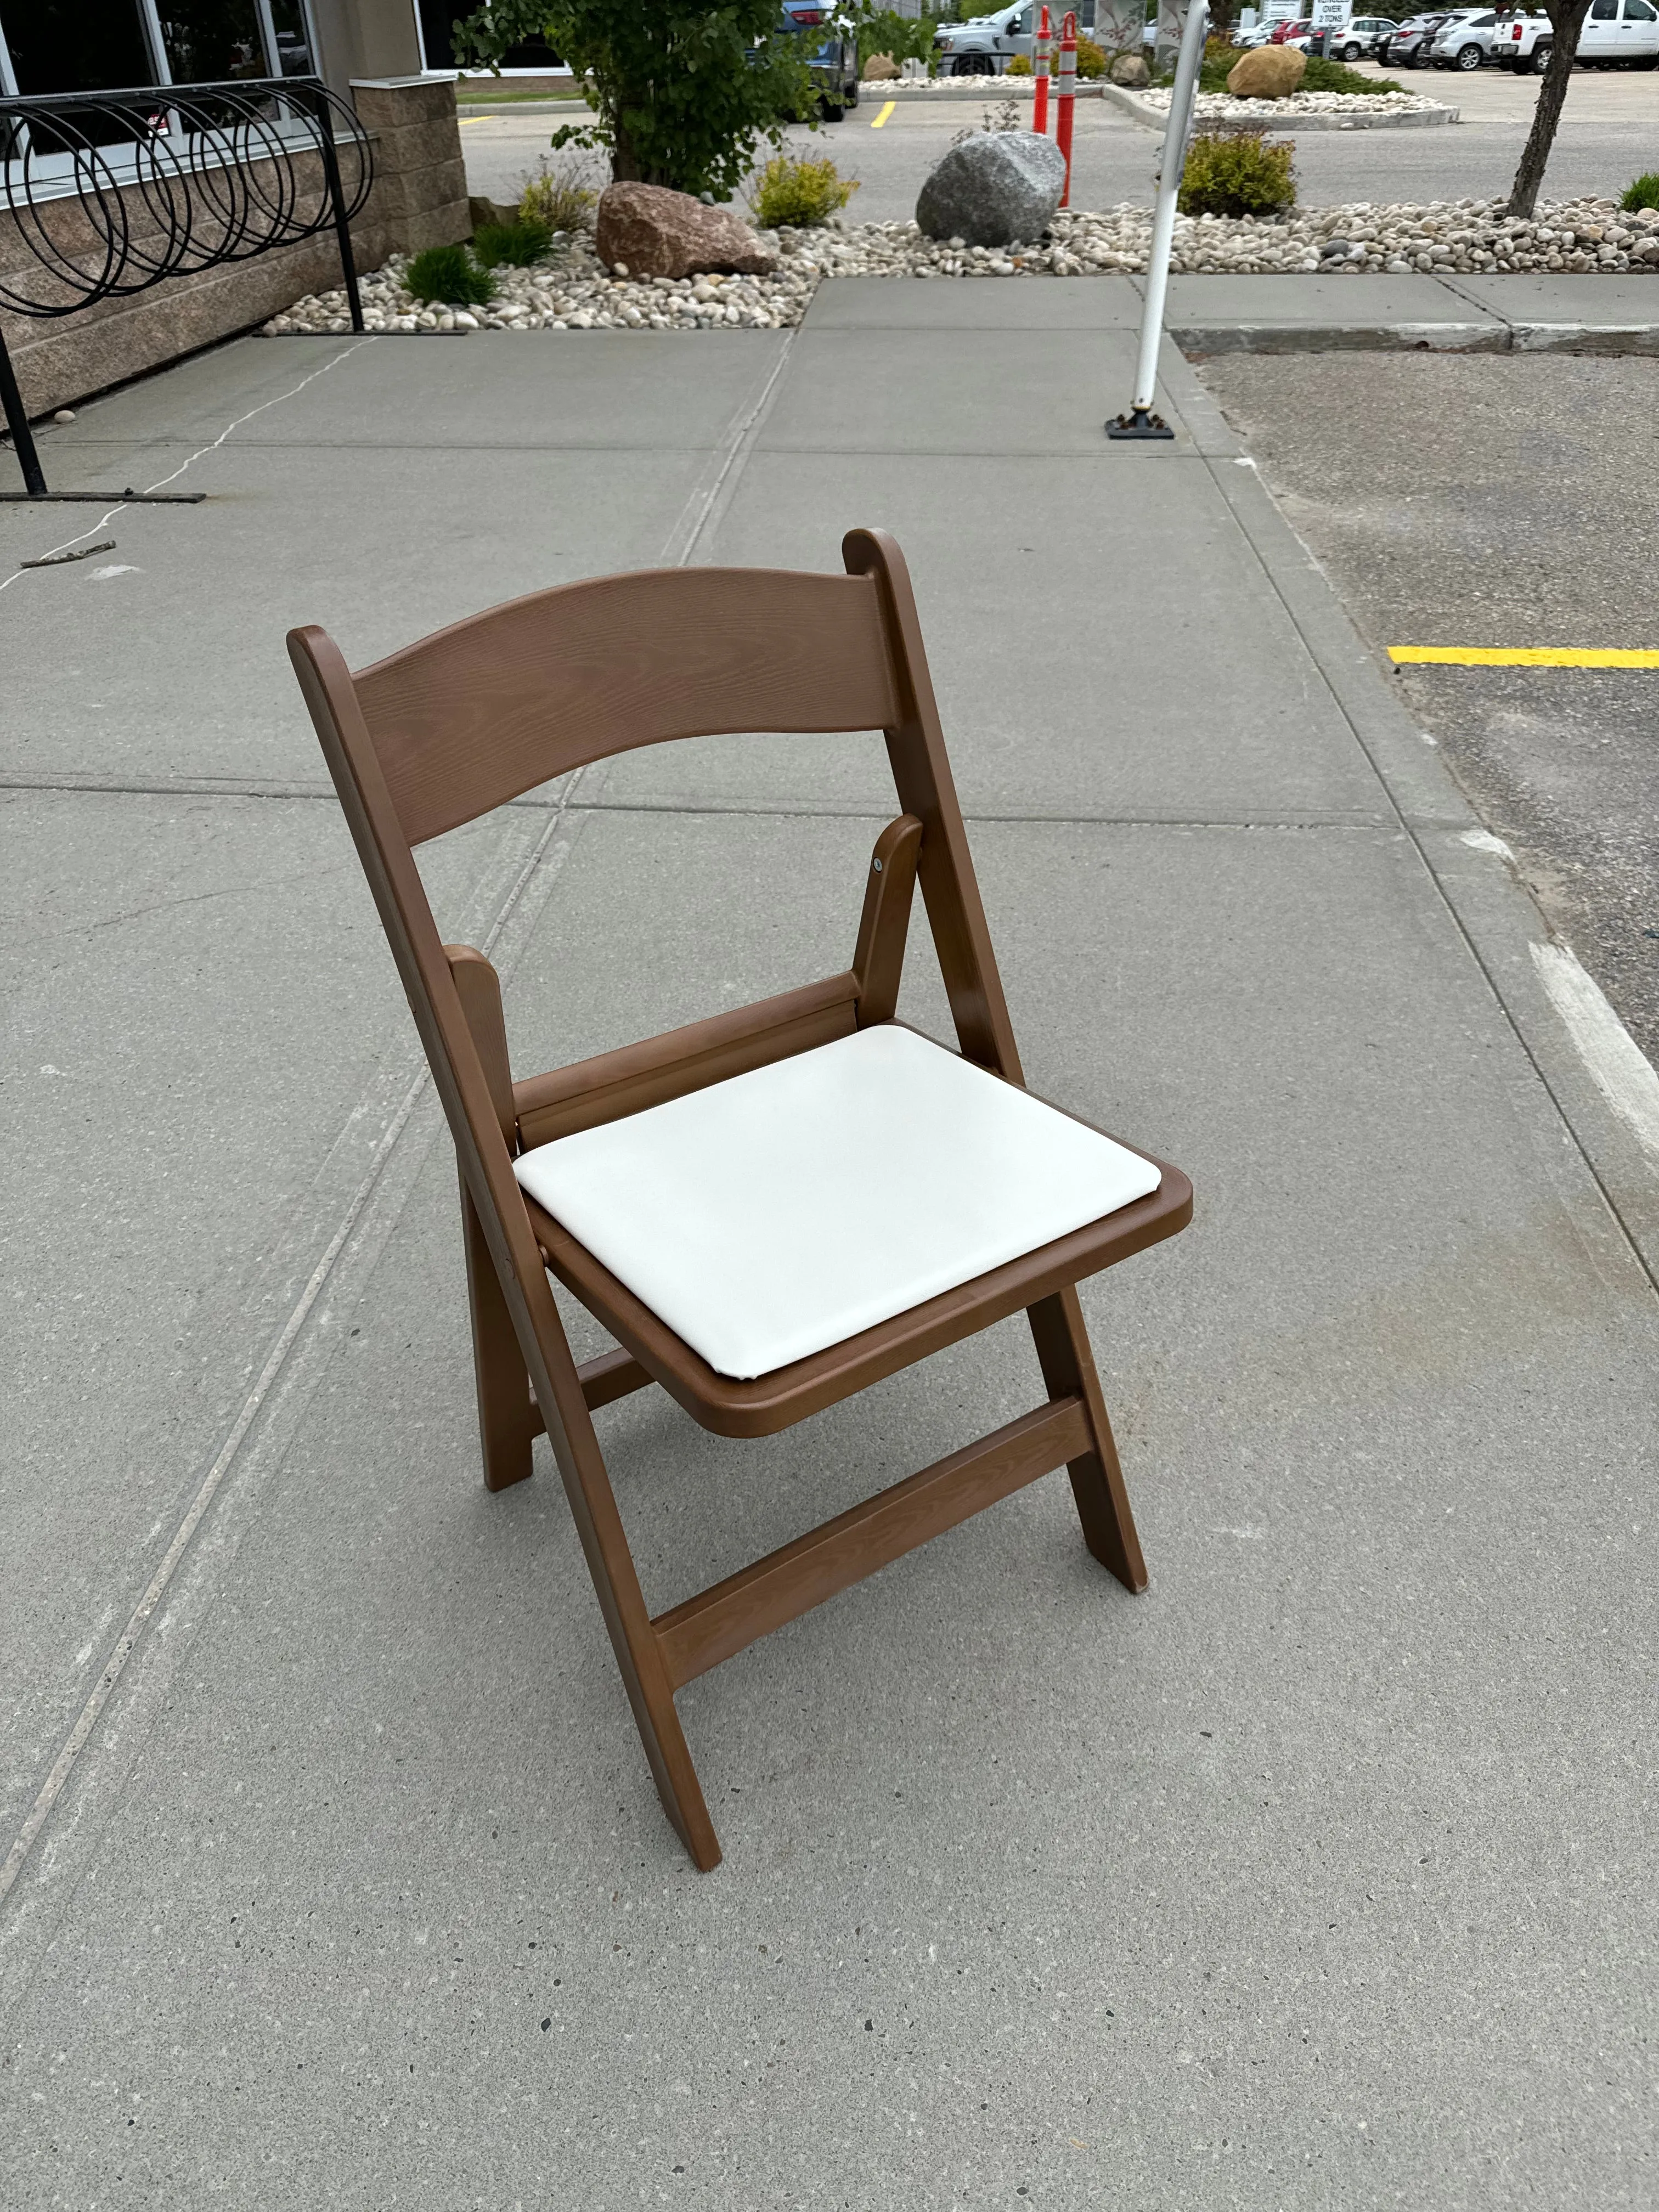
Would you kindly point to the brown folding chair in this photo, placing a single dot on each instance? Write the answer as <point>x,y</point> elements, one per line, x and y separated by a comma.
<point>471,717</point>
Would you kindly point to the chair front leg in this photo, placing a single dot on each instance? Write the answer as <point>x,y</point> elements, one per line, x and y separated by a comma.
<point>1097,1484</point>
<point>507,1419</point>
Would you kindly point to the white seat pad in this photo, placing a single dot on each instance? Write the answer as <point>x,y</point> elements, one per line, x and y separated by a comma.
<point>781,1211</point>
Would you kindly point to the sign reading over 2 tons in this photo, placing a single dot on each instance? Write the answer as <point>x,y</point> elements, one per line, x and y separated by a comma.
<point>1330,14</point>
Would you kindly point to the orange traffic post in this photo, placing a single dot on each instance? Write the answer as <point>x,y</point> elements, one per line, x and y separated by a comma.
<point>1067,97</point>
<point>1045,41</point>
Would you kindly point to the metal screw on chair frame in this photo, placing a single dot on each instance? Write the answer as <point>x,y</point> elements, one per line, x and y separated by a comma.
<point>221,173</point>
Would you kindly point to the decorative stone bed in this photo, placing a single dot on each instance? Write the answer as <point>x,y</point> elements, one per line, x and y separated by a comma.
<point>1223,107</point>
<point>572,291</point>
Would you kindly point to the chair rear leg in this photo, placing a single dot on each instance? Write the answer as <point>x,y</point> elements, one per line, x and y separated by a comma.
<point>508,1420</point>
<point>1097,1484</point>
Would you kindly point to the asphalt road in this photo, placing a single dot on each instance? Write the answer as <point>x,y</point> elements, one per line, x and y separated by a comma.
<point>1609,134</point>
<point>1496,500</point>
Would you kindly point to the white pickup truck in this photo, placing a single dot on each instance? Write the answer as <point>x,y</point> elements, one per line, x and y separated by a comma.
<point>1616,33</point>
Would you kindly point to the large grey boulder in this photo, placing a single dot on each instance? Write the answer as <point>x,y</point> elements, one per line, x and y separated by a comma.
<point>992,188</point>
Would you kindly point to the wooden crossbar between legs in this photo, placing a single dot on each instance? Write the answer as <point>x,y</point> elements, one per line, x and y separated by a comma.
<point>722,1620</point>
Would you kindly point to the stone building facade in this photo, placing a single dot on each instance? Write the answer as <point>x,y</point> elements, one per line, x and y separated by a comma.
<point>367,50</point>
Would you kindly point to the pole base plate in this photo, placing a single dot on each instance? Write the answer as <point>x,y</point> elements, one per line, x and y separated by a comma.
<point>102,498</point>
<point>1140,422</point>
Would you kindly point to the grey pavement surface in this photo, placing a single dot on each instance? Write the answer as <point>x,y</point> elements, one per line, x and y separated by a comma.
<point>1606,138</point>
<point>1323,1875</point>
<point>1441,526</point>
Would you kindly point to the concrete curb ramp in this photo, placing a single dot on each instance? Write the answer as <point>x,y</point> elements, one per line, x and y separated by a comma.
<point>1210,314</point>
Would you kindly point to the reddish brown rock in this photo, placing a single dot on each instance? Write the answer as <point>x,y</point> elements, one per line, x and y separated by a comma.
<point>652,231</point>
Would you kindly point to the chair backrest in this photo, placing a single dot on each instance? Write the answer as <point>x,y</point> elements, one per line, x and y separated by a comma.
<point>476,714</point>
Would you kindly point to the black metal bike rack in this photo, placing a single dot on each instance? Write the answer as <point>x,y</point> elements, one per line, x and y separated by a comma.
<point>113,192</point>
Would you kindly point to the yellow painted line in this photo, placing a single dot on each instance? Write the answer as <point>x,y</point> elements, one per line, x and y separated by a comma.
<point>876,121</point>
<point>1527,656</point>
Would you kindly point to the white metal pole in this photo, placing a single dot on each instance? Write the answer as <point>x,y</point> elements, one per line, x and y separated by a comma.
<point>1140,421</point>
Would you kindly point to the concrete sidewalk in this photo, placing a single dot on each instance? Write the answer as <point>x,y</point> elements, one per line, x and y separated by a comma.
<point>1322,1874</point>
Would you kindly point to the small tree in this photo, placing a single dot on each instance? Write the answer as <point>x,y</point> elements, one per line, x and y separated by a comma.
<point>685,89</point>
<point>1567,20</point>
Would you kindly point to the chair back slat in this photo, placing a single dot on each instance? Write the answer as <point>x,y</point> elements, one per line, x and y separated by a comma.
<point>475,714</point>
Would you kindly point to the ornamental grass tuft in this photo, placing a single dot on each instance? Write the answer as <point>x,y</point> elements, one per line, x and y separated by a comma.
<point>448,273</point>
<point>559,199</point>
<point>1644,193</point>
<point>518,244</point>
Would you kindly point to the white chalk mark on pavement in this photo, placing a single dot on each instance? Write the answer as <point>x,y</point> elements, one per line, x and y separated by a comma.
<point>549,849</point>
<point>1482,840</point>
<point>190,460</point>
<point>1621,1072</point>
<point>525,898</point>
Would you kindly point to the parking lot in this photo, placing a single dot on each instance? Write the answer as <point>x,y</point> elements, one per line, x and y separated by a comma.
<point>1489,500</point>
<point>1608,137</point>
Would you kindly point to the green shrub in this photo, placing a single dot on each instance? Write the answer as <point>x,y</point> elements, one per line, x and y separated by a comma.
<point>1238,172</point>
<point>1212,70</point>
<point>449,272</point>
<point>557,198</point>
<point>797,195</point>
<point>518,244</point>
<point>1220,60</point>
<point>1644,193</point>
<point>683,91</point>
<point>1332,76</point>
<point>1091,61</point>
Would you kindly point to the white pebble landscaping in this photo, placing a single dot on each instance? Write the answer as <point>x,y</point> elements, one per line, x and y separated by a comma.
<point>572,290</point>
<point>1226,107</point>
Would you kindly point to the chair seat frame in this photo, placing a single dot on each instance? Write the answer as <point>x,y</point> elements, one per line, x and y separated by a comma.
<point>441,732</point>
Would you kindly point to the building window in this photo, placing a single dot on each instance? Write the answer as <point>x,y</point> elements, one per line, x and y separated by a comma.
<point>74,46</point>
<point>534,57</point>
<point>103,45</point>
<point>208,41</point>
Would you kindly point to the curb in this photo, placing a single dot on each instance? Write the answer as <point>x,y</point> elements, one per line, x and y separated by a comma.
<point>1483,891</point>
<point>1158,118</point>
<point>873,92</point>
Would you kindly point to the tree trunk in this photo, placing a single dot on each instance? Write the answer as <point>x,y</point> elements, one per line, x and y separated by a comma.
<point>1567,20</point>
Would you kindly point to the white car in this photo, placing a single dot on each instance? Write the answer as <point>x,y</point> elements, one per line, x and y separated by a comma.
<point>984,45</point>
<point>1616,33</point>
<point>1360,35</point>
<point>1465,39</point>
